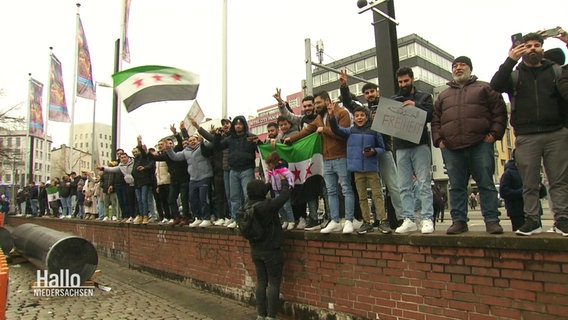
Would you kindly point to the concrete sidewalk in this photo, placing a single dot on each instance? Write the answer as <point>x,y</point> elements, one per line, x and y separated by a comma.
<point>133,295</point>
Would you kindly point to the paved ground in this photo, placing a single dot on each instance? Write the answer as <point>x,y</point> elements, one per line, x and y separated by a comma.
<point>133,295</point>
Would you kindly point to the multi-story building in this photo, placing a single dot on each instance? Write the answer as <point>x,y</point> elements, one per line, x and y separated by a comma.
<point>18,165</point>
<point>84,136</point>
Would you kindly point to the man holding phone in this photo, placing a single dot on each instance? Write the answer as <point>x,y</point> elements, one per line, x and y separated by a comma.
<point>538,117</point>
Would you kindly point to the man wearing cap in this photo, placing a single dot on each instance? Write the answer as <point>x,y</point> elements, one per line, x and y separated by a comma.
<point>468,118</point>
<point>538,99</point>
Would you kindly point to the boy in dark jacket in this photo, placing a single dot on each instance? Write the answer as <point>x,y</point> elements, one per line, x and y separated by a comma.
<point>364,146</point>
<point>266,253</point>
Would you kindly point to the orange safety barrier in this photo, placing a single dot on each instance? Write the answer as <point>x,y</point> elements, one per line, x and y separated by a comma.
<point>1,219</point>
<point>3,285</point>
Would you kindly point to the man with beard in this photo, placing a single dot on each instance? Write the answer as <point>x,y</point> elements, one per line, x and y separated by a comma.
<point>538,117</point>
<point>311,195</point>
<point>334,161</point>
<point>387,166</point>
<point>414,159</point>
<point>468,118</point>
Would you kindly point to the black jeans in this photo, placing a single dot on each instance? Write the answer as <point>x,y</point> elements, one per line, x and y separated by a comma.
<point>268,265</point>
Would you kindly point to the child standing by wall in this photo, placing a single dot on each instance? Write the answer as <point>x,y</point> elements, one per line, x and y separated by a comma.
<point>276,166</point>
<point>364,146</point>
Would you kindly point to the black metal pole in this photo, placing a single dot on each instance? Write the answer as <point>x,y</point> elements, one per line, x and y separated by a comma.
<point>387,49</point>
<point>31,169</point>
<point>115,104</point>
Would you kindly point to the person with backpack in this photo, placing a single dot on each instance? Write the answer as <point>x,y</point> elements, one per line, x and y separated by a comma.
<point>538,91</point>
<point>266,237</point>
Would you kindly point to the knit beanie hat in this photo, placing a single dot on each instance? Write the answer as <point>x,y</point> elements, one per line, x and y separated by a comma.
<point>463,59</point>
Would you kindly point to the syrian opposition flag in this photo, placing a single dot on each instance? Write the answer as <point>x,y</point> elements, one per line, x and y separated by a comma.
<point>145,84</point>
<point>52,193</point>
<point>305,161</point>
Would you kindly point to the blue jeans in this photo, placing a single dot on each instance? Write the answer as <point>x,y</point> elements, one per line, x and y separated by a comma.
<point>122,197</point>
<point>65,206</point>
<point>389,174</point>
<point>285,211</point>
<point>199,198</point>
<point>415,161</point>
<point>479,162</point>
<point>142,199</point>
<point>268,265</point>
<point>334,171</point>
<point>238,181</point>
<point>33,206</point>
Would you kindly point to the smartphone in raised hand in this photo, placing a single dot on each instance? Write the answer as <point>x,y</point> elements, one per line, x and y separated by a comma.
<point>517,39</point>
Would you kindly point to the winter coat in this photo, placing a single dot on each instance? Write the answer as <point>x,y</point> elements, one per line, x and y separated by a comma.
<point>333,146</point>
<point>198,164</point>
<point>273,176</point>
<point>463,116</point>
<point>267,212</point>
<point>511,190</point>
<point>242,148</point>
<point>358,139</point>
<point>538,101</point>
<point>125,170</point>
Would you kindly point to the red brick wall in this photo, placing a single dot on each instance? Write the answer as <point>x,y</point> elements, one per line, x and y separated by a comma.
<point>473,276</point>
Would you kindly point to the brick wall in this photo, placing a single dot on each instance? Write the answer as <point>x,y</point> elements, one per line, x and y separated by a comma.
<point>473,276</point>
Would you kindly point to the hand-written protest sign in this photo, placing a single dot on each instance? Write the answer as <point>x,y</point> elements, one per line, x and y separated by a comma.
<point>197,114</point>
<point>393,119</point>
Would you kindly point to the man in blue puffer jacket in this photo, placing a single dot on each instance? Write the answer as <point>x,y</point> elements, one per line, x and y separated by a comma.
<point>364,146</point>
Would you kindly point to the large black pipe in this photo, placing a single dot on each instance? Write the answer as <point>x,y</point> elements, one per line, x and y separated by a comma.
<point>6,242</point>
<point>54,251</point>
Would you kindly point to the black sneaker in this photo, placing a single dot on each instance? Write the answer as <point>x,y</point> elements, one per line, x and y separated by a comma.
<point>365,227</point>
<point>529,228</point>
<point>384,227</point>
<point>376,223</point>
<point>562,227</point>
<point>312,225</point>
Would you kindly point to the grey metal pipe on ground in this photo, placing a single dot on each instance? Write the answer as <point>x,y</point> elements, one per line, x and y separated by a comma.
<point>54,251</point>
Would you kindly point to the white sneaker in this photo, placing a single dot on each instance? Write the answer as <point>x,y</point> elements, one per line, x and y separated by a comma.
<point>227,222</point>
<point>68,216</point>
<point>348,227</point>
<point>285,225</point>
<point>291,226</point>
<point>219,222</point>
<point>232,224</point>
<point>407,226</point>
<point>164,221</point>
<point>105,219</point>
<point>60,217</point>
<point>205,224</point>
<point>427,226</point>
<point>114,218</point>
<point>332,226</point>
<point>129,220</point>
<point>357,224</point>
<point>301,224</point>
<point>195,223</point>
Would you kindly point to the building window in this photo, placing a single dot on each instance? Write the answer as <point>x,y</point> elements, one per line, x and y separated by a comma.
<point>360,66</point>
<point>18,142</point>
<point>324,77</point>
<point>101,135</point>
<point>371,63</point>
<point>86,144</point>
<point>316,81</point>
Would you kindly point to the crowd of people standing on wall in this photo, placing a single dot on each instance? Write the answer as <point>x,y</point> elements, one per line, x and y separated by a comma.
<point>200,180</point>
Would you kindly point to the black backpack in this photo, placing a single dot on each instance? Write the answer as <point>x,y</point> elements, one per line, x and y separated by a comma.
<point>249,224</point>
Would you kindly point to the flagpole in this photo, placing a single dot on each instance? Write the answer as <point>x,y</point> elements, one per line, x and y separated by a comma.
<point>28,165</point>
<point>224,63</point>
<point>74,96</point>
<point>48,100</point>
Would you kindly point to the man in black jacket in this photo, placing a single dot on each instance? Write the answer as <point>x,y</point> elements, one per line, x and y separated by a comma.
<point>537,92</point>
<point>266,253</point>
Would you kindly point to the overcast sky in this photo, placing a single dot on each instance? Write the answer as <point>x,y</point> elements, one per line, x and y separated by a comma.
<point>266,45</point>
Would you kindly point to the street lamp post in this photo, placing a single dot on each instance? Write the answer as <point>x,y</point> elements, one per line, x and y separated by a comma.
<point>105,85</point>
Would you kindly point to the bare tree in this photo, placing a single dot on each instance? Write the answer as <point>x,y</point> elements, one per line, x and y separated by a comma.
<point>9,122</point>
